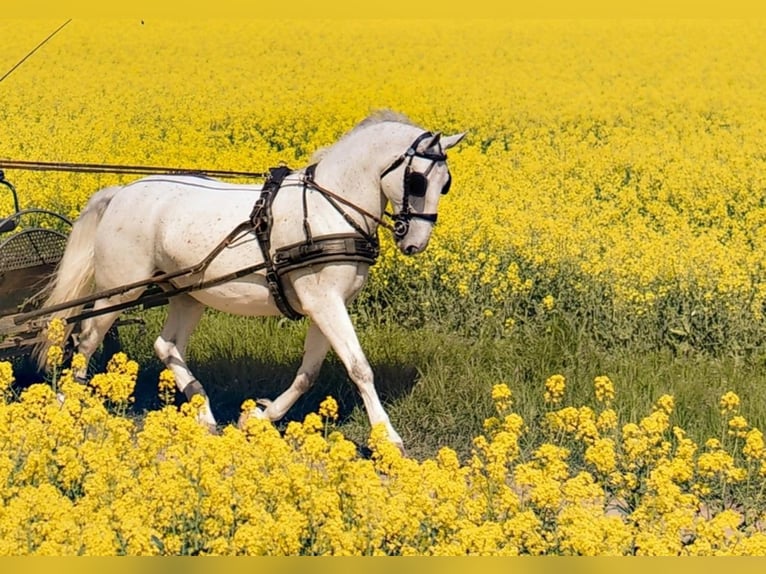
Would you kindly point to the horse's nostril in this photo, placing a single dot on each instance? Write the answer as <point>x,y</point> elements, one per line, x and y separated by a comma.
<point>410,249</point>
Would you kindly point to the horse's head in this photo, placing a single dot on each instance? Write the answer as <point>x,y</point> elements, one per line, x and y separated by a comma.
<point>423,177</point>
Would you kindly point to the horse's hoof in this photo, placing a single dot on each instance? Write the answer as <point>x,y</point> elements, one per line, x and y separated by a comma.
<point>259,411</point>
<point>265,403</point>
<point>256,413</point>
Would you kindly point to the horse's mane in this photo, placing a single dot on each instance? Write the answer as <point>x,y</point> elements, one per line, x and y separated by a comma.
<point>376,117</point>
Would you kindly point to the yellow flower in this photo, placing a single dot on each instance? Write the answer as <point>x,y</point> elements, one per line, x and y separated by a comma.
<point>719,463</point>
<point>565,419</point>
<point>501,396</point>
<point>601,454</point>
<point>554,389</point>
<point>312,423</point>
<point>754,445</point>
<point>167,386</point>
<point>56,332</point>
<point>54,357</point>
<point>685,448</point>
<point>604,389</point>
<point>6,376</point>
<point>713,444</point>
<point>193,407</point>
<point>737,426</point>
<point>78,362</point>
<point>728,403</point>
<point>118,383</point>
<point>501,392</point>
<point>328,409</point>
<point>656,423</point>
<point>665,403</point>
<point>607,420</point>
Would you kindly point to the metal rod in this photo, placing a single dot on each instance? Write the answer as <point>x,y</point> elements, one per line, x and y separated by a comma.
<point>126,169</point>
<point>155,298</point>
<point>40,45</point>
<point>13,190</point>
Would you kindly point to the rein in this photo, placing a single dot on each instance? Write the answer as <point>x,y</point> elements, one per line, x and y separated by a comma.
<point>401,220</point>
<point>308,180</point>
<point>363,247</point>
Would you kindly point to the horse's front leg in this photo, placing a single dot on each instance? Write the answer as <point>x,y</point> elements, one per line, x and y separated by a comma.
<point>314,352</point>
<point>329,313</point>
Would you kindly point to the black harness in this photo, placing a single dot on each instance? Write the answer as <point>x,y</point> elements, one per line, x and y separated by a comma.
<point>361,246</point>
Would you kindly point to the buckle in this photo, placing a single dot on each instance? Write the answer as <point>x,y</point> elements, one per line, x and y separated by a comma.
<point>308,249</point>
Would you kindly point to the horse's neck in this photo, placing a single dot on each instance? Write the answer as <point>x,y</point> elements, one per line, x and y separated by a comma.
<point>353,167</point>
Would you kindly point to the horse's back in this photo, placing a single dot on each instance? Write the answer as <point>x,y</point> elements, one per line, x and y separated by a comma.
<point>166,223</point>
<point>169,223</point>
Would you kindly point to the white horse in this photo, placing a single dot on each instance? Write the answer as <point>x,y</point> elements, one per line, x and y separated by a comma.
<point>160,224</point>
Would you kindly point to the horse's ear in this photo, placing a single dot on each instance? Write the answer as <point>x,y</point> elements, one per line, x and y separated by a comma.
<point>432,141</point>
<point>449,141</point>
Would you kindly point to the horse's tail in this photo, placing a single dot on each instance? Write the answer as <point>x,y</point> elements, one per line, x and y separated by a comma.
<point>74,275</point>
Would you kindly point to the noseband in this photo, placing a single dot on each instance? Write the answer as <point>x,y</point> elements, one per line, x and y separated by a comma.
<point>415,184</point>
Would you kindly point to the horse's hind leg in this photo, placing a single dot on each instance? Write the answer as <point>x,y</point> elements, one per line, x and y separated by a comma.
<point>94,329</point>
<point>315,350</point>
<point>184,312</point>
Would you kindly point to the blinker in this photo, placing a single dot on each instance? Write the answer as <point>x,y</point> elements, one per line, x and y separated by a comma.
<point>416,184</point>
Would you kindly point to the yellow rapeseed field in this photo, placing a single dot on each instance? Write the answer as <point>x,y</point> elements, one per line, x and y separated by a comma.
<point>621,158</point>
<point>612,168</point>
<point>77,477</point>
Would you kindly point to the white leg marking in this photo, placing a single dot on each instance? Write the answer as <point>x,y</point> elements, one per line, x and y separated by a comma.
<point>184,312</point>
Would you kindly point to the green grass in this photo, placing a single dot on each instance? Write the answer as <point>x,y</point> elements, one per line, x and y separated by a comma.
<point>436,385</point>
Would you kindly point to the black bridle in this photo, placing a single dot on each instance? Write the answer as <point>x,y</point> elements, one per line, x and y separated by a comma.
<point>414,184</point>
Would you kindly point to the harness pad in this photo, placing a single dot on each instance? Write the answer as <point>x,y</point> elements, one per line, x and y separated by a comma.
<point>314,250</point>
<point>325,249</point>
